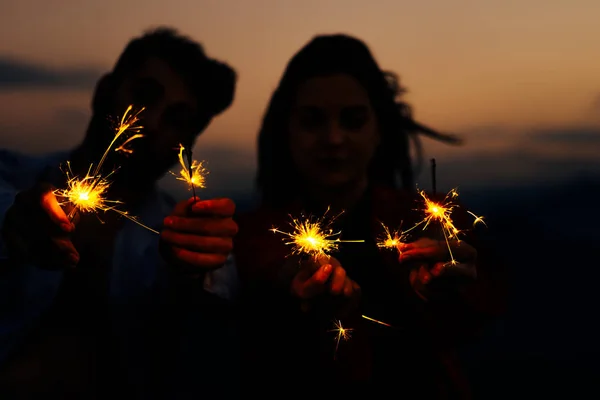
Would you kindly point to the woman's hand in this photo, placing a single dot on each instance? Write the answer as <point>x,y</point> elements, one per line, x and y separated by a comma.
<point>438,262</point>
<point>325,277</point>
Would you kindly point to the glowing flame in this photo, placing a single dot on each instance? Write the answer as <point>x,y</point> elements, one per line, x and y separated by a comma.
<point>194,175</point>
<point>88,194</point>
<point>441,213</point>
<point>390,239</point>
<point>313,237</point>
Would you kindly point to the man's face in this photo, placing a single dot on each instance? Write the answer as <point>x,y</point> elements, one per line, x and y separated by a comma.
<point>171,117</point>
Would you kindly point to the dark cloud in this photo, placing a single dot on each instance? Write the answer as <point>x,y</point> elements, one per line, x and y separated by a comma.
<point>574,136</point>
<point>63,130</point>
<point>20,74</point>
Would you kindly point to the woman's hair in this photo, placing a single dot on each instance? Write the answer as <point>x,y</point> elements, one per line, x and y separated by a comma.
<point>277,178</point>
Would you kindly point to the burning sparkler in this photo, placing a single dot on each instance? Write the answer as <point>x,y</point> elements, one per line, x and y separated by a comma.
<point>194,173</point>
<point>88,194</point>
<point>390,239</point>
<point>342,334</point>
<point>313,237</point>
<point>345,333</point>
<point>441,213</point>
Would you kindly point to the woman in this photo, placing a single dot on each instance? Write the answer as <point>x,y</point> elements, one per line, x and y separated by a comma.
<point>335,139</point>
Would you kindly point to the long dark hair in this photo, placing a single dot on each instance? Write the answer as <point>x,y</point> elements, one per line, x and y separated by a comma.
<point>277,178</point>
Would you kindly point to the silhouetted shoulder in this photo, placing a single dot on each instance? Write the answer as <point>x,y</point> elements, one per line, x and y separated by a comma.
<point>21,170</point>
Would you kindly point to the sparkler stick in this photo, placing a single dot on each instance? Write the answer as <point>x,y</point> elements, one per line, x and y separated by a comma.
<point>433,177</point>
<point>313,237</point>
<point>194,173</point>
<point>88,194</point>
<point>188,153</point>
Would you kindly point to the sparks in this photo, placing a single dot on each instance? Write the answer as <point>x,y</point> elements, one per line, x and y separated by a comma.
<point>88,194</point>
<point>441,213</point>
<point>342,334</point>
<point>127,125</point>
<point>193,174</point>
<point>313,237</point>
<point>376,321</point>
<point>390,239</point>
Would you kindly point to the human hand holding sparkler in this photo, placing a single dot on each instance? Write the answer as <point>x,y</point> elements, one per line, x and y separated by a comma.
<point>433,271</point>
<point>198,235</point>
<point>194,173</point>
<point>444,254</point>
<point>37,230</point>
<point>324,275</point>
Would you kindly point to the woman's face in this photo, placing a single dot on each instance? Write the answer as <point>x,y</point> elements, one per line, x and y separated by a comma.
<point>333,131</point>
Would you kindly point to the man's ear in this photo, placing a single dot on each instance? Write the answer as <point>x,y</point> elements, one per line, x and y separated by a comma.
<point>104,94</point>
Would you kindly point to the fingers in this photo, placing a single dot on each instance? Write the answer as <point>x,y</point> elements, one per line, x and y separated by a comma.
<point>351,288</point>
<point>195,261</point>
<point>338,281</point>
<point>435,250</point>
<point>36,230</point>
<point>63,253</point>
<point>198,235</point>
<point>57,215</point>
<point>424,253</point>
<point>221,207</point>
<point>417,244</point>
<point>182,208</point>
<point>306,288</point>
<point>420,276</point>
<point>202,226</point>
<point>208,244</point>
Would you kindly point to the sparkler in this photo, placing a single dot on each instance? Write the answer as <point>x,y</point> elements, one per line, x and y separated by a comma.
<point>441,213</point>
<point>342,334</point>
<point>194,173</point>
<point>88,194</point>
<point>345,333</point>
<point>313,237</point>
<point>390,239</point>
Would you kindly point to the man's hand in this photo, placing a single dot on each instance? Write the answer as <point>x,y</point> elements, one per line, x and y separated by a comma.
<point>36,230</point>
<point>198,235</point>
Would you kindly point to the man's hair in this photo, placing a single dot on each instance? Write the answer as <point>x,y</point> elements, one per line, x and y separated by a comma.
<point>212,82</point>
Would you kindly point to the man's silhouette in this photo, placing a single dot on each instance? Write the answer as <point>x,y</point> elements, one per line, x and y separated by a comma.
<point>105,308</point>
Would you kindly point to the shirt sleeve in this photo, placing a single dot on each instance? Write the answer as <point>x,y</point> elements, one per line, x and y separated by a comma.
<point>223,282</point>
<point>25,291</point>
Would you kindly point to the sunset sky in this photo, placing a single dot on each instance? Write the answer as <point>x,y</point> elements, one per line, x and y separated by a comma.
<point>519,80</point>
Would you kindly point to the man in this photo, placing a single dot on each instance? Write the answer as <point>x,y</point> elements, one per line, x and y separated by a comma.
<point>96,308</point>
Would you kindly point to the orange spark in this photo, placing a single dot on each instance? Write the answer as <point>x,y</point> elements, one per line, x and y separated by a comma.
<point>88,194</point>
<point>342,334</point>
<point>194,175</point>
<point>441,213</point>
<point>390,239</point>
<point>313,237</point>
